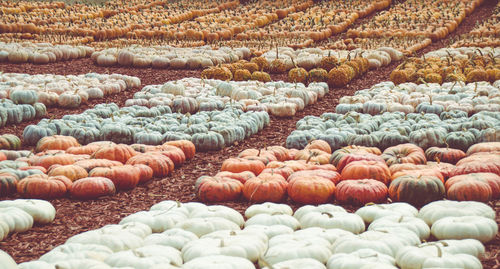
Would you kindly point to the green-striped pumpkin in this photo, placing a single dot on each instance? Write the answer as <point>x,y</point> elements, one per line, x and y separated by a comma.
<point>416,190</point>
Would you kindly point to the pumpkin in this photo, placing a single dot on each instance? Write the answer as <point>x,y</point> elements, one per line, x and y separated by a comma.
<point>447,155</point>
<point>9,141</point>
<point>360,192</point>
<point>359,258</point>
<point>237,165</point>
<point>345,159</point>
<point>480,187</point>
<point>161,164</point>
<point>185,145</point>
<point>115,152</point>
<point>414,224</point>
<point>416,190</point>
<point>268,208</point>
<point>73,172</point>
<point>92,188</point>
<point>311,190</point>
<point>43,186</point>
<point>371,212</point>
<point>416,257</point>
<point>49,160</point>
<point>56,142</point>
<point>42,211</point>
<point>218,261</point>
<point>265,188</point>
<point>93,163</point>
<point>8,184</point>
<point>367,170</point>
<point>7,261</point>
<point>327,174</point>
<point>424,171</point>
<point>319,144</point>
<point>145,172</point>
<point>484,147</point>
<point>241,177</point>
<point>218,189</point>
<point>174,153</point>
<point>465,227</point>
<point>404,153</point>
<point>333,220</point>
<point>124,177</point>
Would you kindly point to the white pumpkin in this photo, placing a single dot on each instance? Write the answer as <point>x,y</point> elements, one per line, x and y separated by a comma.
<point>412,257</point>
<point>218,262</point>
<point>358,258</point>
<point>271,231</point>
<point>70,251</point>
<point>157,220</point>
<point>372,212</point>
<point>140,229</point>
<point>434,211</point>
<point>81,264</point>
<point>17,219</point>
<point>276,219</point>
<point>466,227</point>
<point>4,230</point>
<point>465,246</point>
<point>42,211</point>
<point>36,265</point>
<point>294,249</point>
<point>175,205</point>
<point>175,237</point>
<point>341,220</point>
<point>384,242</point>
<point>145,257</point>
<point>6,261</point>
<point>118,241</point>
<point>268,208</point>
<point>219,211</point>
<point>416,225</point>
<point>298,264</point>
<point>331,235</point>
<point>202,226</point>
<point>326,208</point>
<point>245,244</point>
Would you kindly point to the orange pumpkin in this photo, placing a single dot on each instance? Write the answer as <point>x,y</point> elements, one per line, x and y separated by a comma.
<point>43,187</point>
<point>145,172</point>
<point>447,155</point>
<point>319,144</point>
<point>367,170</point>
<point>161,164</point>
<point>92,188</point>
<point>73,172</point>
<point>361,192</point>
<point>185,145</point>
<point>466,187</point>
<point>124,177</point>
<point>120,153</point>
<point>49,160</point>
<point>241,177</point>
<point>56,142</point>
<point>311,190</point>
<point>404,153</point>
<point>218,189</point>
<point>237,165</point>
<point>265,188</point>
<point>93,163</point>
<point>326,174</point>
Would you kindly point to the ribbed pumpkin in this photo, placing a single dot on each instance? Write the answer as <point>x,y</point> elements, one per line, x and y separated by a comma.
<point>43,187</point>
<point>367,170</point>
<point>319,144</point>
<point>265,188</point>
<point>480,187</point>
<point>8,184</point>
<point>311,190</point>
<point>92,188</point>
<point>49,160</point>
<point>55,142</point>
<point>87,149</point>
<point>145,172</point>
<point>416,190</point>
<point>174,153</point>
<point>237,165</point>
<point>447,155</point>
<point>185,145</point>
<point>404,153</point>
<point>119,152</point>
<point>357,156</point>
<point>73,172</point>
<point>361,191</point>
<point>124,177</point>
<point>241,177</point>
<point>93,163</point>
<point>429,171</point>
<point>161,164</point>
<point>218,189</point>
<point>326,174</point>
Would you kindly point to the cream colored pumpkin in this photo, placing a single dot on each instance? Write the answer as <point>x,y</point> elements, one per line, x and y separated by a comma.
<point>217,262</point>
<point>71,251</point>
<point>268,208</point>
<point>416,225</point>
<point>271,231</point>
<point>202,226</point>
<point>43,212</point>
<point>174,237</point>
<point>276,219</point>
<point>465,227</point>
<point>465,246</point>
<point>36,265</point>
<point>415,258</point>
<point>434,211</point>
<point>81,264</point>
<point>372,212</point>
<point>246,244</point>
<point>291,249</point>
<point>298,264</point>
<point>219,211</point>
<point>145,257</point>
<point>138,228</point>
<point>325,208</point>
<point>157,220</point>
<point>6,261</point>
<point>340,220</point>
<point>115,241</point>
<point>4,230</point>
<point>358,258</point>
<point>17,219</point>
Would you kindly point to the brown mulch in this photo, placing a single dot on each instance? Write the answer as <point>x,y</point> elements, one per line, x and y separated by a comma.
<point>74,217</point>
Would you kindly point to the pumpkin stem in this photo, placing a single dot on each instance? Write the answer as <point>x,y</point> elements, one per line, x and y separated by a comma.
<point>401,219</point>
<point>440,251</point>
<point>265,263</point>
